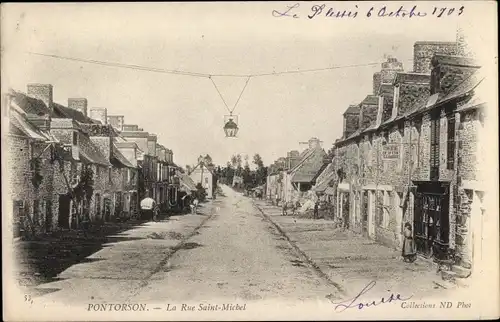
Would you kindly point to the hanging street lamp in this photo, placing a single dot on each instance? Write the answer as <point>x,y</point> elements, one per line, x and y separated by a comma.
<point>231,128</point>
<point>230,121</point>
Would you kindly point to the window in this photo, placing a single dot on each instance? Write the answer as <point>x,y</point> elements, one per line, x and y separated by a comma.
<point>434,146</point>
<point>369,152</point>
<point>75,138</point>
<point>36,211</point>
<point>206,180</point>
<point>450,145</point>
<point>387,208</point>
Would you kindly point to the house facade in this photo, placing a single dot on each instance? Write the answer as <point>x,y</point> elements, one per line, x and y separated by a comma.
<point>412,162</point>
<point>68,166</point>
<point>201,174</point>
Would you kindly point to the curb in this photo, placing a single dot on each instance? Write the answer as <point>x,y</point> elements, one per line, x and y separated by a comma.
<point>302,254</point>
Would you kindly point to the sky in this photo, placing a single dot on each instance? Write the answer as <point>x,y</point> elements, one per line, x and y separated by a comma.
<point>275,112</point>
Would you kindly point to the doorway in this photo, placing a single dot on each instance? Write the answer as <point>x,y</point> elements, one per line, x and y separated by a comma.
<point>431,219</point>
<point>64,208</point>
<point>48,215</point>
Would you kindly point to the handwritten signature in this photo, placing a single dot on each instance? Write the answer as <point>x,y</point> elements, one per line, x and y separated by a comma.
<point>355,302</point>
<point>381,12</point>
<point>287,12</point>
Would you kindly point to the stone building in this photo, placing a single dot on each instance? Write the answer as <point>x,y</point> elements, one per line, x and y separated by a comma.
<point>409,163</point>
<point>29,157</point>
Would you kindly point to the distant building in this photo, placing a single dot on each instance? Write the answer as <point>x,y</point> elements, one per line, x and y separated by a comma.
<point>201,174</point>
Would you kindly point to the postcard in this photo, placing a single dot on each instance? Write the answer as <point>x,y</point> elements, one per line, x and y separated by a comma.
<point>250,161</point>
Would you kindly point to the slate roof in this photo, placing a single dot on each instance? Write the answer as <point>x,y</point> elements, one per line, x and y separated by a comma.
<point>21,126</point>
<point>89,153</point>
<point>198,165</point>
<point>323,180</point>
<point>352,109</point>
<point>119,159</point>
<point>308,167</point>
<point>370,100</point>
<point>187,184</point>
<point>66,112</point>
<point>464,87</point>
<point>455,60</point>
<point>29,104</point>
<point>36,106</point>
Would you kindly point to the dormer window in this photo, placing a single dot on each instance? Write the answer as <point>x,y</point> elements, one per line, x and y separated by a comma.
<point>75,138</point>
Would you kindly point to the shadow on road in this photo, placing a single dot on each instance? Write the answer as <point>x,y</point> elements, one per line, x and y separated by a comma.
<point>40,261</point>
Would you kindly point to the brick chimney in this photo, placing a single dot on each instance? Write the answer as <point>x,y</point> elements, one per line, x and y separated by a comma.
<point>293,158</point>
<point>387,73</point>
<point>314,143</point>
<point>152,139</point>
<point>116,121</point>
<point>43,92</point>
<point>424,50</point>
<point>79,104</point>
<point>99,114</point>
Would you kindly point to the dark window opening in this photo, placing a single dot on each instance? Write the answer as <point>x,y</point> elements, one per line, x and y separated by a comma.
<point>450,164</point>
<point>434,147</point>
<point>75,138</point>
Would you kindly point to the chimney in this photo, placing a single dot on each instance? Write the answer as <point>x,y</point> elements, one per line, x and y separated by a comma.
<point>116,121</point>
<point>387,73</point>
<point>314,143</point>
<point>152,138</point>
<point>293,158</point>
<point>79,104</point>
<point>99,114</point>
<point>377,80</point>
<point>42,92</point>
<point>130,127</point>
<point>380,111</point>
<point>424,50</point>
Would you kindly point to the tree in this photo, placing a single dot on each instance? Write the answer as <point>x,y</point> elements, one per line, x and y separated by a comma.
<point>208,160</point>
<point>257,160</point>
<point>261,172</point>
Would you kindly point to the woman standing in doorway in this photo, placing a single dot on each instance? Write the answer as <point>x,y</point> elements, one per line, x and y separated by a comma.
<point>409,249</point>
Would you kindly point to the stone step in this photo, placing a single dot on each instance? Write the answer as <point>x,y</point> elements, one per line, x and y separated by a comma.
<point>461,271</point>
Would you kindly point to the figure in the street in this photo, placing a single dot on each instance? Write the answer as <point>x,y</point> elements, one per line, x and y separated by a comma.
<point>194,206</point>
<point>409,249</point>
<point>296,207</point>
<point>316,209</point>
<point>284,209</point>
<point>148,205</point>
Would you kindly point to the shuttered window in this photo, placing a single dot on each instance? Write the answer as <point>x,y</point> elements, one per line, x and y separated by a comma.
<point>434,147</point>
<point>450,145</point>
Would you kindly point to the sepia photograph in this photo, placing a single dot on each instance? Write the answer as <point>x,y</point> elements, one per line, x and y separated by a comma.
<point>238,161</point>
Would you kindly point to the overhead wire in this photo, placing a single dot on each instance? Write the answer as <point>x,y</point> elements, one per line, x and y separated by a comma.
<point>194,74</point>
<point>202,75</point>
